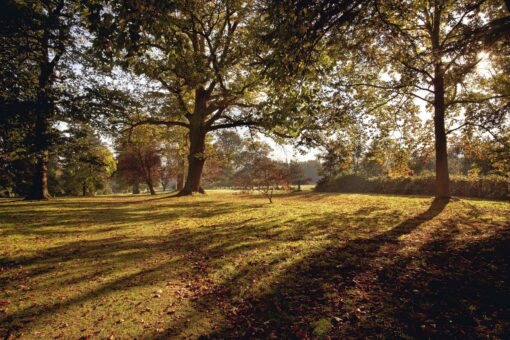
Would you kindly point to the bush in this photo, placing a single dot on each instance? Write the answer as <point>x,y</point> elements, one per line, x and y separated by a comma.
<point>496,187</point>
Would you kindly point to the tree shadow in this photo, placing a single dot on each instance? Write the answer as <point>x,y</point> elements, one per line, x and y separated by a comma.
<point>364,285</point>
<point>87,261</point>
<point>369,288</point>
<point>304,289</point>
<point>83,217</point>
<point>454,290</point>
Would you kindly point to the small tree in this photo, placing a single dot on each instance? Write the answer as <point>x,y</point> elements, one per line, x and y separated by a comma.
<point>296,174</point>
<point>268,175</point>
<point>166,175</point>
<point>139,158</point>
<point>86,163</point>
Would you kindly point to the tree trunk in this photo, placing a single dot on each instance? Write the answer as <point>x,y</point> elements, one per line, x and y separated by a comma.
<point>40,180</point>
<point>44,109</point>
<point>84,189</point>
<point>196,160</point>
<point>151,186</point>
<point>442,175</point>
<point>136,188</point>
<point>197,133</point>
<point>180,175</point>
<point>299,185</point>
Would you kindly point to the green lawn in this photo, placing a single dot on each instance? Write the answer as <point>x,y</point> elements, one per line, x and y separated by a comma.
<point>231,265</point>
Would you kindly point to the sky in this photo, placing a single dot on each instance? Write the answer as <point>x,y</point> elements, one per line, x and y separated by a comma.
<point>286,152</point>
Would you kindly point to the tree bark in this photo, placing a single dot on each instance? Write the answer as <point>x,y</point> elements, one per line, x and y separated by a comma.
<point>44,109</point>
<point>136,188</point>
<point>441,146</point>
<point>196,160</point>
<point>180,174</point>
<point>39,189</point>
<point>151,186</point>
<point>84,189</point>
<point>442,174</point>
<point>197,133</point>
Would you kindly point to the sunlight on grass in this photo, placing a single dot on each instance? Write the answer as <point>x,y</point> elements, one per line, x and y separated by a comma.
<point>138,266</point>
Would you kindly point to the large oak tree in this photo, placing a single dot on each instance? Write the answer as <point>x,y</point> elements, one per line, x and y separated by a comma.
<point>201,54</point>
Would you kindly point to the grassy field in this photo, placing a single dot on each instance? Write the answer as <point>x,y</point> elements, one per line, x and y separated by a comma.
<point>228,265</point>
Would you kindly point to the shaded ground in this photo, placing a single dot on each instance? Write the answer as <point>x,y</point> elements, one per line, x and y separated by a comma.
<point>230,266</point>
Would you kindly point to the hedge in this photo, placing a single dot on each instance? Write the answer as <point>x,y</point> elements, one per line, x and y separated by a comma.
<point>495,187</point>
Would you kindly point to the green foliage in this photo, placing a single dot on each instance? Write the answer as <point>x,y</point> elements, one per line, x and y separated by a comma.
<point>86,164</point>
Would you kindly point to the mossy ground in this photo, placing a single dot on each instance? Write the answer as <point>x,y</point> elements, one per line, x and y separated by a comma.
<point>229,265</point>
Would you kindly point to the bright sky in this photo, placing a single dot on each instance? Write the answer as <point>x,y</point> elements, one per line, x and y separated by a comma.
<point>288,152</point>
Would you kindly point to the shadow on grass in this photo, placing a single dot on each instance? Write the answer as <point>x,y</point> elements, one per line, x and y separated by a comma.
<point>362,287</point>
<point>368,289</point>
<point>57,266</point>
<point>303,290</point>
<point>84,217</point>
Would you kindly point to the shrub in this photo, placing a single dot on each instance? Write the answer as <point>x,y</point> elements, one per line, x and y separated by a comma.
<point>496,187</point>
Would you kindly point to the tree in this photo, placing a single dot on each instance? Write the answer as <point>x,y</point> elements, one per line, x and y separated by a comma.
<point>86,164</point>
<point>166,175</point>
<point>264,175</point>
<point>229,146</point>
<point>15,163</point>
<point>174,150</point>
<point>45,80</point>
<point>435,62</point>
<point>38,34</point>
<point>392,51</point>
<point>268,175</point>
<point>296,174</point>
<point>258,171</point>
<point>139,157</point>
<point>201,55</point>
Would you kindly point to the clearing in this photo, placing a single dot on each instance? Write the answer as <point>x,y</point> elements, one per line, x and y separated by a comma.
<point>230,265</point>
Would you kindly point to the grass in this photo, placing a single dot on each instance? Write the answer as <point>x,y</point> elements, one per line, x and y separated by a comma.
<point>227,265</point>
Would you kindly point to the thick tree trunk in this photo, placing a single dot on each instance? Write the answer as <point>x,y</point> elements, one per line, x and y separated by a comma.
<point>196,160</point>
<point>39,189</point>
<point>84,189</point>
<point>197,133</point>
<point>136,188</point>
<point>442,175</point>
<point>44,111</point>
